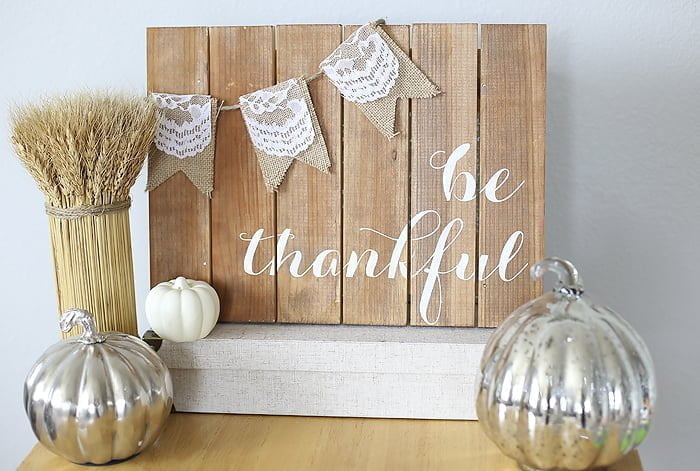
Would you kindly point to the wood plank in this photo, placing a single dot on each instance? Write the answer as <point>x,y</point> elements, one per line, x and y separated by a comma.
<point>256,443</point>
<point>512,135</point>
<point>375,195</point>
<point>309,202</point>
<point>242,61</point>
<point>447,54</point>
<point>179,215</point>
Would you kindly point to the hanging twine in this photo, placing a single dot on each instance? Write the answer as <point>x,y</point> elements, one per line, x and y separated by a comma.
<point>308,79</point>
<point>77,212</point>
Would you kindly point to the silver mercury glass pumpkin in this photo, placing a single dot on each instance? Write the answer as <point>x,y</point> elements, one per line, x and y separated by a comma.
<point>96,398</point>
<point>565,384</point>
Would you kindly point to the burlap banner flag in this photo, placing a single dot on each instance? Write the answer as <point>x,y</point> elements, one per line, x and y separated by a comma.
<point>370,70</point>
<point>184,140</point>
<point>282,125</point>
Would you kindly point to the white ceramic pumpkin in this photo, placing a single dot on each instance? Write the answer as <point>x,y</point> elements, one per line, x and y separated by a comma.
<point>182,310</point>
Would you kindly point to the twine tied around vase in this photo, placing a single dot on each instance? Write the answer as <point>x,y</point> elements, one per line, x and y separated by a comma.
<point>76,212</point>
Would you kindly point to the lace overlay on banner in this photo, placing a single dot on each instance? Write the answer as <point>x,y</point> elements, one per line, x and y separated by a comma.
<point>363,68</point>
<point>283,127</point>
<point>185,140</point>
<point>278,119</point>
<point>185,127</point>
<point>372,71</point>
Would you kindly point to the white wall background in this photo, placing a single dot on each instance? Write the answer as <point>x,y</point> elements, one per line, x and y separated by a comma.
<point>623,168</point>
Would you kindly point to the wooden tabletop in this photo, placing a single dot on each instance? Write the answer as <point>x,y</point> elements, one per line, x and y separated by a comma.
<point>247,442</point>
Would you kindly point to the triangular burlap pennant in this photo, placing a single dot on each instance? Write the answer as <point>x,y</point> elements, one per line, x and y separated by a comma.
<point>184,140</point>
<point>372,71</point>
<point>282,125</point>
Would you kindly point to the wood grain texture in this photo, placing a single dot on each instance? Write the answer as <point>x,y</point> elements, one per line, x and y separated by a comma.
<point>179,215</point>
<point>242,61</point>
<point>375,195</point>
<point>447,54</point>
<point>309,202</point>
<point>512,135</point>
<point>197,441</point>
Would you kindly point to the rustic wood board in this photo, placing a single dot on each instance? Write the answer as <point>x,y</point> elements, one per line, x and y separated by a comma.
<point>179,215</point>
<point>513,79</point>
<point>492,101</point>
<point>309,202</point>
<point>375,195</point>
<point>447,53</point>
<point>242,59</point>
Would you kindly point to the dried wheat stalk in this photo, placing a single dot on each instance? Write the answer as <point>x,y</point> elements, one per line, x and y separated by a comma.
<point>85,151</point>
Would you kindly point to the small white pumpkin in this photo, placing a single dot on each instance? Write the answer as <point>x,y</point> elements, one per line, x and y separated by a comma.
<point>182,310</point>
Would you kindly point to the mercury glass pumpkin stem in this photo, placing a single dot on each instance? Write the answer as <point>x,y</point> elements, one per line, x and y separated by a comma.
<point>568,283</point>
<point>81,317</point>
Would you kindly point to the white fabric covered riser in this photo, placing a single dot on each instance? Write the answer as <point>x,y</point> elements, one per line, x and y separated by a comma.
<point>346,371</point>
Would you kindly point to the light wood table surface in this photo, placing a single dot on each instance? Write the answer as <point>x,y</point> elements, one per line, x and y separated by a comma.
<point>247,442</point>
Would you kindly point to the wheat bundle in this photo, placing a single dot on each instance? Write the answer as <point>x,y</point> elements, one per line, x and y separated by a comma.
<point>85,152</point>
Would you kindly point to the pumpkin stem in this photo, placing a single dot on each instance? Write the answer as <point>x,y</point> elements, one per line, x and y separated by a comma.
<point>80,317</point>
<point>181,283</point>
<point>568,283</point>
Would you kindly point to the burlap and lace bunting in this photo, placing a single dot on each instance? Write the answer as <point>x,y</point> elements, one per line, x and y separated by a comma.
<point>282,125</point>
<point>370,70</point>
<point>184,140</point>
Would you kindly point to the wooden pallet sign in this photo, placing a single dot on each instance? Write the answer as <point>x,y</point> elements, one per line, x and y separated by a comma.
<point>435,226</point>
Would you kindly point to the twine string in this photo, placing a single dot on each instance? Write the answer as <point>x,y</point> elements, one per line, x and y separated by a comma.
<point>77,212</point>
<point>308,79</point>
